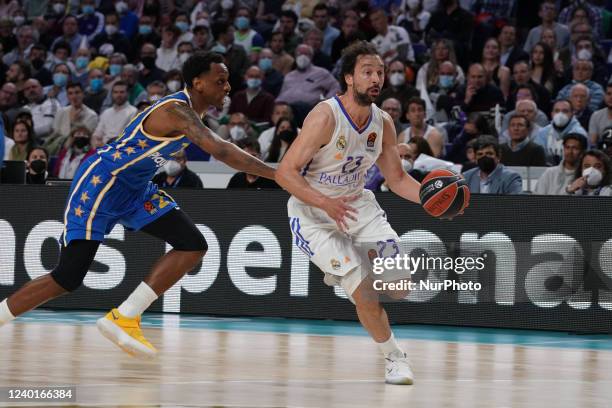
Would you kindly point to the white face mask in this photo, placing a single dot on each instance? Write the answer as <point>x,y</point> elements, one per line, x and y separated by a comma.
<point>173,85</point>
<point>227,4</point>
<point>412,4</point>
<point>302,61</point>
<point>237,133</point>
<point>397,79</point>
<point>121,7</point>
<point>407,165</point>
<point>584,54</point>
<point>560,119</point>
<point>184,57</point>
<point>19,20</point>
<point>172,168</point>
<point>593,176</point>
<point>111,29</point>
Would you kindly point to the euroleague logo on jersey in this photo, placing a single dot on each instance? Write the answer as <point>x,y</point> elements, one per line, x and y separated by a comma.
<point>371,140</point>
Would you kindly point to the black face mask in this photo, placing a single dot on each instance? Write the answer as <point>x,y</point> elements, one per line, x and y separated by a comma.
<point>38,166</point>
<point>81,142</point>
<point>148,62</point>
<point>37,63</point>
<point>487,164</point>
<point>287,136</point>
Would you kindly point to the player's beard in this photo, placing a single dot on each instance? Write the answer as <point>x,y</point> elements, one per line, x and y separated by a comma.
<point>363,98</point>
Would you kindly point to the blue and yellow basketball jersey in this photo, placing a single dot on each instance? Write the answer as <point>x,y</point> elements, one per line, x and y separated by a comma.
<point>113,186</point>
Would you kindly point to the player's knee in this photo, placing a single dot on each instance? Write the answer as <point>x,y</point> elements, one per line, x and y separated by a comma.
<point>68,279</point>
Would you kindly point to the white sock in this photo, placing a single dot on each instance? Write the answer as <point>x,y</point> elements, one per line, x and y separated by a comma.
<point>390,346</point>
<point>5,313</point>
<point>139,301</point>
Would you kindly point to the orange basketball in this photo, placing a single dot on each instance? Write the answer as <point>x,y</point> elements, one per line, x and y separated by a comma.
<point>444,193</point>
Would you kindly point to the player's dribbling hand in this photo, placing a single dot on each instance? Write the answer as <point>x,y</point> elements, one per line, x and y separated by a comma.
<point>339,209</point>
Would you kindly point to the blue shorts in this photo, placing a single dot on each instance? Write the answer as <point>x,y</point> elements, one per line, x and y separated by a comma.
<point>98,200</point>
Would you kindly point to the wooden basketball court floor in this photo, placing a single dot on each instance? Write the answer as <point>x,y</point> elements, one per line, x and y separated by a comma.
<point>242,362</point>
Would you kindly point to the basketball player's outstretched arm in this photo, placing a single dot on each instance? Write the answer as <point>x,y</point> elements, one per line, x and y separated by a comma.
<point>316,132</point>
<point>390,165</point>
<point>182,119</point>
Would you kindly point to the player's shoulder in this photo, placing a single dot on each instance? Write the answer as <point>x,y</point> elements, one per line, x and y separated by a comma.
<point>323,112</point>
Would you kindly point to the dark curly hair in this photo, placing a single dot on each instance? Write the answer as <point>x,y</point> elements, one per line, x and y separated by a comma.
<point>350,55</point>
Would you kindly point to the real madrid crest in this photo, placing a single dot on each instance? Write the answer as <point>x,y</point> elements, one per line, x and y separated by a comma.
<point>341,143</point>
<point>335,264</point>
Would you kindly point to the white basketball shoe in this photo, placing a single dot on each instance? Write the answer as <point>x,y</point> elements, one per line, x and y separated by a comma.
<point>397,369</point>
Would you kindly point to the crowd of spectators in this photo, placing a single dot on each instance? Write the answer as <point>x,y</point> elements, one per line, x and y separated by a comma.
<point>474,85</point>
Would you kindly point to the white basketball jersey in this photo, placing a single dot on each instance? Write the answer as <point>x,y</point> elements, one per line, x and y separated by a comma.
<point>339,167</point>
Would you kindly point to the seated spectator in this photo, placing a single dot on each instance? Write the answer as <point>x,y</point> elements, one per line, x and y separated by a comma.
<point>579,97</point>
<point>320,16</point>
<point>442,51</point>
<point>38,56</point>
<point>528,109</point>
<point>74,152</point>
<point>181,21</point>
<point>284,135</point>
<point>175,174</point>
<point>81,63</point>
<point>348,34</point>
<point>548,13</point>
<point>38,160</point>
<point>116,62</point>
<point>520,151</point>
<point>582,73</point>
<point>128,19</point>
<point>602,118</point>
<point>201,35</point>
<point>478,95</point>
<point>237,129</point>
<point>453,22</point>
<point>491,177</point>
<point>443,95</point>
<point>114,119</point>
<point>244,180</point>
<point>418,128</point>
<point>26,38</point>
<point>136,92</point>
<point>43,109</point>
<point>391,42</point>
<point>414,19</point>
<point>61,73</point>
<point>510,51</point>
<point>307,83</point>
<point>111,35</point>
<point>156,90</point>
<point>522,93</point>
<point>24,140</point>
<point>605,144</point>
<point>396,86</point>
<point>245,36</point>
<point>555,179</point>
<point>497,74</point>
<point>185,50</point>
<point>592,175</point>
<point>148,70</point>
<point>9,103</point>
<point>70,35</point>
<point>273,80</point>
<point>314,38</point>
<point>147,33</point>
<point>281,60</point>
<point>287,26</point>
<point>563,123</point>
<point>585,12</point>
<point>69,117</point>
<point>61,55</point>
<point>95,93</point>
<point>543,67</point>
<point>253,101</point>
<point>91,22</point>
<point>236,57</point>
<point>521,76</point>
<point>475,126</point>
<point>17,74</point>
<point>281,109</point>
<point>394,108</point>
<point>174,80</point>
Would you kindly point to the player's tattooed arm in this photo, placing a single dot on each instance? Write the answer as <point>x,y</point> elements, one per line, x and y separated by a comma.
<point>187,122</point>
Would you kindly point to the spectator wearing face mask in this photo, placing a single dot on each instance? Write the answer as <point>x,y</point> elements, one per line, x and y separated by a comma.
<point>284,135</point>
<point>253,101</point>
<point>76,149</point>
<point>128,21</point>
<point>61,74</point>
<point>555,179</point>
<point>281,109</point>
<point>91,22</point>
<point>237,129</point>
<point>81,62</point>
<point>38,56</point>
<point>236,57</point>
<point>563,123</point>
<point>520,151</point>
<point>475,126</point>
<point>582,73</point>
<point>245,36</point>
<point>67,118</point>
<point>174,80</point>
<point>156,90</point>
<point>149,72</point>
<point>592,175</point>
<point>175,174</point>
<point>111,35</point>
<point>272,79</point>
<point>38,159</point>
<point>491,177</point>
<point>443,93</point>
<point>95,93</point>
<point>181,21</point>
<point>114,119</point>
<point>244,180</point>
<point>396,85</point>
<point>147,34</point>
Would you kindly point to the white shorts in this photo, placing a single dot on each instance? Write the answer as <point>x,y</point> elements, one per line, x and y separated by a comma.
<point>345,258</point>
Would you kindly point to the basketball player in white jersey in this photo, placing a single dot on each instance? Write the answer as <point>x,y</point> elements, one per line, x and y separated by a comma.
<point>332,216</point>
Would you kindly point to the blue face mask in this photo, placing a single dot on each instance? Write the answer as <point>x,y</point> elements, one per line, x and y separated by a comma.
<point>265,63</point>
<point>446,81</point>
<point>183,26</point>
<point>241,23</point>
<point>88,9</point>
<point>81,62</point>
<point>115,69</point>
<point>253,83</point>
<point>60,79</point>
<point>96,84</point>
<point>145,29</point>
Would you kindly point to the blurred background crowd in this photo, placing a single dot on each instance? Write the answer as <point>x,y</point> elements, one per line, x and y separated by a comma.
<point>479,86</point>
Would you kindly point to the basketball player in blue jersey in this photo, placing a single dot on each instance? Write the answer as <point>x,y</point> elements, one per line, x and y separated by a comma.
<point>334,220</point>
<point>113,186</point>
